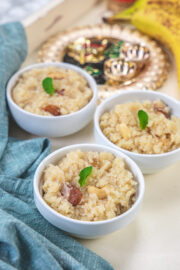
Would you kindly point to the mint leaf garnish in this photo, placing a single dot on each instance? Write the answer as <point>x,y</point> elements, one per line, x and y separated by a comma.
<point>143,119</point>
<point>84,173</point>
<point>47,85</point>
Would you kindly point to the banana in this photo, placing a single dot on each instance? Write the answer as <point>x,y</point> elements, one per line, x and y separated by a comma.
<point>159,19</point>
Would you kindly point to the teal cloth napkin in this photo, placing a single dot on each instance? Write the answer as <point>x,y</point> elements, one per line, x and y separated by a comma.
<point>27,240</point>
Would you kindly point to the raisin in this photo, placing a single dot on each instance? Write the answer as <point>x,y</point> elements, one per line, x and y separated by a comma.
<point>60,92</point>
<point>71,193</point>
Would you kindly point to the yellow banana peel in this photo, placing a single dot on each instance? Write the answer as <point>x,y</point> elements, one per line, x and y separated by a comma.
<point>159,19</point>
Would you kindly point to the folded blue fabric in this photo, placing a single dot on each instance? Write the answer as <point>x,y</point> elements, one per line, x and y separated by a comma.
<point>27,240</point>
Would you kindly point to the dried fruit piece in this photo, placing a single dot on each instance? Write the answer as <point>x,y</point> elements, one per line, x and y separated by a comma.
<point>71,193</point>
<point>60,92</point>
<point>53,109</point>
<point>75,196</point>
<point>165,110</point>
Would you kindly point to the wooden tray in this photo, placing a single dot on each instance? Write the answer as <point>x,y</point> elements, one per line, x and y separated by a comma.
<point>152,240</point>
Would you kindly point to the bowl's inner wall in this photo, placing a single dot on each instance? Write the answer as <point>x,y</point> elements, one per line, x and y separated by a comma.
<point>175,108</point>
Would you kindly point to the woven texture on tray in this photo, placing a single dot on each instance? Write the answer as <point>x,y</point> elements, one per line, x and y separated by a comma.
<point>27,240</point>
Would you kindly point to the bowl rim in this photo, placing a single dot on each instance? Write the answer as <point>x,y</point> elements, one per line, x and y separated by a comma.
<point>98,113</point>
<point>91,82</point>
<point>128,160</point>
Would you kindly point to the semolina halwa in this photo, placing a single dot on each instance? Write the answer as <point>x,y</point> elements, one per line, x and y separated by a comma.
<point>110,189</point>
<point>72,92</point>
<point>121,127</point>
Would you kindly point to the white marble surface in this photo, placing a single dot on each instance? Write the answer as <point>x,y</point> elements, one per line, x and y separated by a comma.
<point>13,10</point>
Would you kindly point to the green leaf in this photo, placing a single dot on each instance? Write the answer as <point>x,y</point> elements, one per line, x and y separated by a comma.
<point>143,119</point>
<point>84,173</point>
<point>47,85</point>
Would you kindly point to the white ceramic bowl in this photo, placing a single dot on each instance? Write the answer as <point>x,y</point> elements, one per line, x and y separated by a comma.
<point>52,126</point>
<point>87,229</point>
<point>148,163</point>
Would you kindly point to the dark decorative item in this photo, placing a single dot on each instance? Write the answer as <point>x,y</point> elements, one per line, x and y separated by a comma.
<point>109,61</point>
<point>117,57</point>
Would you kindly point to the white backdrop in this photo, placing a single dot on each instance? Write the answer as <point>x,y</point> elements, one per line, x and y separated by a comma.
<point>13,10</point>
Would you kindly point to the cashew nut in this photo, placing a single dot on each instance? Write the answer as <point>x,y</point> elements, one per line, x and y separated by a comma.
<point>100,192</point>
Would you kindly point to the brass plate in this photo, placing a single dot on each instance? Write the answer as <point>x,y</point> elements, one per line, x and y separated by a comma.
<point>151,77</point>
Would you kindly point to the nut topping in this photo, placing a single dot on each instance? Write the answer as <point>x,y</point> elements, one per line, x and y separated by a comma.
<point>60,92</point>
<point>53,109</point>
